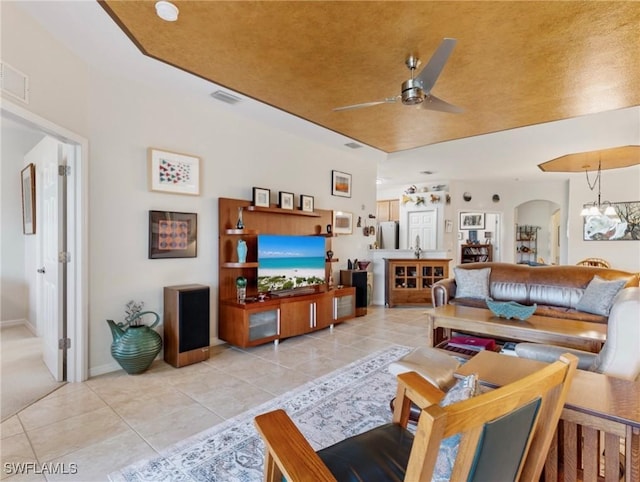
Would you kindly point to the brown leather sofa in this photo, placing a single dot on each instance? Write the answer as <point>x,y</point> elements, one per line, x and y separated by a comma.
<point>555,289</point>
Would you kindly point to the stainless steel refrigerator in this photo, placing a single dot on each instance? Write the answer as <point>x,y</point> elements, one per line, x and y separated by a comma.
<point>388,235</point>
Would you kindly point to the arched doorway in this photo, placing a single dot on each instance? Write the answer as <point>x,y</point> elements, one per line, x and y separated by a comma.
<point>539,223</point>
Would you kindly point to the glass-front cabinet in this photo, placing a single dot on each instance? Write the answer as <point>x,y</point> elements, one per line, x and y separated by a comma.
<point>263,324</point>
<point>409,281</point>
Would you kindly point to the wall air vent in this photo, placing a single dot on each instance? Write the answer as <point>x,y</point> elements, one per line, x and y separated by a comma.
<point>353,145</point>
<point>225,97</point>
<point>14,82</point>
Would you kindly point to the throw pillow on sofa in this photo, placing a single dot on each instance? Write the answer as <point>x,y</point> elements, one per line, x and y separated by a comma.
<point>598,296</point>
<point>472,283</point>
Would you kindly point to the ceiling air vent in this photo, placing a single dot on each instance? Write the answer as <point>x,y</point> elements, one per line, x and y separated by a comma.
<point>353,145</point>
<point>14,82</point>
<point>226,97</point>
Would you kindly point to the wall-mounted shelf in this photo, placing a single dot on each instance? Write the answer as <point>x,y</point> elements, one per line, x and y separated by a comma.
<point>240,232</point>
<point>293,212</point>
<point>238,265</point>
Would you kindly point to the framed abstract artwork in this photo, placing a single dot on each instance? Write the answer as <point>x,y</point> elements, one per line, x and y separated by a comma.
<point>471,220</point>
<point>342,222</point>
<point>172,235</point>
<point>28,177</point>
<point>173,172</point>
<point>624,226</point>
<point>340,184</point>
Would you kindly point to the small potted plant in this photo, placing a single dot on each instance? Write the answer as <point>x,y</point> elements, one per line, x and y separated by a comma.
<point>135,345</point>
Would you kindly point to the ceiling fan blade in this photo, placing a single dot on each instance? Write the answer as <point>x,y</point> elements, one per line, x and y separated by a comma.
<point>432,70</point>
<point>388,100</point>
<point>431,102</point>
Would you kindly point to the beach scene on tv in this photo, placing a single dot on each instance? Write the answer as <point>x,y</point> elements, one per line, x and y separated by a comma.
<point>290,262</point>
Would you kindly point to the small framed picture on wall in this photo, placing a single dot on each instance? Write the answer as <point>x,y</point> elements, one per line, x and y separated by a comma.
<point>471,220</point>
<point>342,222</point>
<point>172,235</point>
<point>172,172</point>
<point>340,184</point>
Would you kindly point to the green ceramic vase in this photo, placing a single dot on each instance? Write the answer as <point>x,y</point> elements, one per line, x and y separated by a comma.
<point>135,347</point>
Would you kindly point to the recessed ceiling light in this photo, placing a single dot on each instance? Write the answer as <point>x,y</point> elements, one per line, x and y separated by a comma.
<point>167,11</point>
<point>379,181</point>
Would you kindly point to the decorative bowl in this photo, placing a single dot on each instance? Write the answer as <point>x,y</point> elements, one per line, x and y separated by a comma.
<point>511,309</point>
<point>363,264</point>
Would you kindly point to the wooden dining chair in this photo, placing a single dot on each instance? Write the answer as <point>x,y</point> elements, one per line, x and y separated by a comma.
<point>503,434</point>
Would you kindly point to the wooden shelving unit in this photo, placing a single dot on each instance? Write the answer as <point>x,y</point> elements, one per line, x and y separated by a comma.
<point>275,210</point>
<point>476,253</point>
<point>257,322</point>
<point>526,243</point>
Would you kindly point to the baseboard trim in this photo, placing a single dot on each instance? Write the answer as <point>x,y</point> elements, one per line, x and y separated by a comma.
<point>19,322</point>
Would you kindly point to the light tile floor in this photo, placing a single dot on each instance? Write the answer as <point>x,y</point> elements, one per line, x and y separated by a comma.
<point>95,427</point>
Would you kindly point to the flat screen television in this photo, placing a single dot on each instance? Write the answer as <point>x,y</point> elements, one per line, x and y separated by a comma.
<point>290,262</point>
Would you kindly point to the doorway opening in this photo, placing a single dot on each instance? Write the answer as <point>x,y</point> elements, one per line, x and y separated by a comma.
<point>76,233</point>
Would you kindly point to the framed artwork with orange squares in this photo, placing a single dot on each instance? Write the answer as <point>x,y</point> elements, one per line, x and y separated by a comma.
<point>172,235</point>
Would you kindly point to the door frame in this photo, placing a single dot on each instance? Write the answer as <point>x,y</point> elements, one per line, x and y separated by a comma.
<point>77,235</point>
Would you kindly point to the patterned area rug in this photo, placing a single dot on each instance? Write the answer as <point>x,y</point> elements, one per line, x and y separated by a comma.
<point>326,410</point>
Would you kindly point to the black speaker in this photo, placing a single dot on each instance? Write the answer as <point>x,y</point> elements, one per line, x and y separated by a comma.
<point>358,279</point>
<point>186,324</point>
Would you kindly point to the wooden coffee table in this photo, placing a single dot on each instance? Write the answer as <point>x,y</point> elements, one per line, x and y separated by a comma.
<point>598,408</point>
<point>538,329</point>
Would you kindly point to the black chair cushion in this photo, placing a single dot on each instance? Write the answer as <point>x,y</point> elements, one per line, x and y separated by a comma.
<point>381,454</point>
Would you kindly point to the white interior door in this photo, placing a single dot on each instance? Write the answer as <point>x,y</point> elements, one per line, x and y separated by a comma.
<point>47,155</point>
<point>423,224</point>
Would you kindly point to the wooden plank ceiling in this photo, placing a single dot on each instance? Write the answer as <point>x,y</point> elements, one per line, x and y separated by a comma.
<point>515,63</point>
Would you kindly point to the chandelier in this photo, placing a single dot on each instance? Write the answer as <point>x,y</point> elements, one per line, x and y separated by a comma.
<point>598,207</point>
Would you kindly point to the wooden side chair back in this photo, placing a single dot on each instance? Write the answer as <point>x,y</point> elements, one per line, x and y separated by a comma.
<point>503,434</point>
<point>597,262</point>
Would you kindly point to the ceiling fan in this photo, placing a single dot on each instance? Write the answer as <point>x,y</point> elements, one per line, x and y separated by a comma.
<point>417,89</point>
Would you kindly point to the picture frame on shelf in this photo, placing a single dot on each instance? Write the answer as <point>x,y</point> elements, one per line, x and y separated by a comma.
<point>174,173</point>
<point>306,203</point>
<point>342,222</point>
<point>28,176</point>
<point>340,184</point>
<point>172,235</point>
<point>285,200</point>
<point>471,221</point>
<point>261,197</point>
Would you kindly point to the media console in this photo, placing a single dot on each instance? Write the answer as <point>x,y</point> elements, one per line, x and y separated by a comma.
<point>256,322</point>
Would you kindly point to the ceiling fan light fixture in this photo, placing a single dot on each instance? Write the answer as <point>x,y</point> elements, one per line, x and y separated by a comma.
<point>412,92</point>
<point>167,11</point>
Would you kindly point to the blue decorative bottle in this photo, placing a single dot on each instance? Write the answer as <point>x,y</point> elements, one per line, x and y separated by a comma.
<point>242,251</point>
